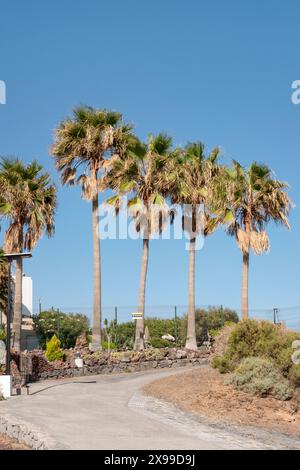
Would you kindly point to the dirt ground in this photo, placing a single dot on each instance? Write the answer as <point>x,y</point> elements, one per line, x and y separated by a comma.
<point>9,444</point>
<point>204,392</point>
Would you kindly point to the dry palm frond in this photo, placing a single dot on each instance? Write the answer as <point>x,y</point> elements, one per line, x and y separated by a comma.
<point>68,176</point>
<point>259,242</point>
<point>89,186</point>
<point>253,198</point>
<point>89,139</point>
<point>243,240</point>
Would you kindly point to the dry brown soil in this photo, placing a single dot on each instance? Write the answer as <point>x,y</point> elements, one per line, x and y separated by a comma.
<point>204,392</point>
<point>10,444</point>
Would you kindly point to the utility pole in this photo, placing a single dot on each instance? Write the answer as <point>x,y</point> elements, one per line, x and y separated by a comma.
<point>58,323</point>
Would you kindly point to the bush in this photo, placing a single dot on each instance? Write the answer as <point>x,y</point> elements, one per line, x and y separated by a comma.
<point>53,349</point>
<point>260,377</point>
<point>2,334</point>
<point>161,343</point>
<point>66,326</point>
<point>210,322</point>
<point>294,375</point>
<point>105,345</point>
<point>252,338</point>
<point>122,334</point>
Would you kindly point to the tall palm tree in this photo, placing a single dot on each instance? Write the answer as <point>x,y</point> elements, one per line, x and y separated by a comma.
<point>139,174</point>
<point>250,199</point>
<point>189,181</point>
<point>28,202</point>
<point>84,145</point>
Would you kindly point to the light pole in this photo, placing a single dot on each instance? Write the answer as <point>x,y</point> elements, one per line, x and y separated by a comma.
<point>10,257</point>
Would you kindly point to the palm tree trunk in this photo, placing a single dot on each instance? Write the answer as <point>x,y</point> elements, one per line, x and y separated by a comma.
<point>191,342</point>
<point>17,319</point>
<point>139,325</point>
<point>96,344</point>
<point>245,308</point>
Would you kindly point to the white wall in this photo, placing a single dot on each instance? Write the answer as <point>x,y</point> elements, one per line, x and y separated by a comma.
<point>27,296</point>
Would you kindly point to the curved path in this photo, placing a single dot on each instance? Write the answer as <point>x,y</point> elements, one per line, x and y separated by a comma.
<point>109,412</point>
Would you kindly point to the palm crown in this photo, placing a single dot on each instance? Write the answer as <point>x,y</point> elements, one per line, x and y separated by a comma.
<point>189,179</point>
<point>251,198</point>
<point>89,139</point>
<point>28,201</point>
<point>139,174</point>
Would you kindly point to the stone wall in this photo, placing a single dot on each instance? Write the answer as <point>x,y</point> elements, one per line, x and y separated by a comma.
<point>115,362</point>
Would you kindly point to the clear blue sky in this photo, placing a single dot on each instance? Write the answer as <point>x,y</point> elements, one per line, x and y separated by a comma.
<point>211,70</point>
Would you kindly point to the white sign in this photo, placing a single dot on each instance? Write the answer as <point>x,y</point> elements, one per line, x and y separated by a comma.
<point>136,315</point>
<point>2,352</point>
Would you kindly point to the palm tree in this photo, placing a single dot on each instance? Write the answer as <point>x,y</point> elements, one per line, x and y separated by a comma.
<point>139,174</point>
<point>88,141</point>
<point>250,199</point>
<point>28,202</point>
<point>189,180</point>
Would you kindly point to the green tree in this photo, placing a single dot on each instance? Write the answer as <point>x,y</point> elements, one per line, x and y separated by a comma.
<point>67,327</point>
<point>139,174</point>
<point>84,145</point>
<point>27,202</point>
<point>250,199</point>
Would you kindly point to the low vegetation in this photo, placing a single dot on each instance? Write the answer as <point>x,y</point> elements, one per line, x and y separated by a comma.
<point>208,323</point>
<point>67,327</point>
<point>53,349</point>
<point>2,333</point>
<point>260,377</point>
<point>259,356</point>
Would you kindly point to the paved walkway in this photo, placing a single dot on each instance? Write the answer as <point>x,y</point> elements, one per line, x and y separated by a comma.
<point>108,412</point>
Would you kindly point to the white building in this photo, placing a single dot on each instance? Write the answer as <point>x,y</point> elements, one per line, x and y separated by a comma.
<point>29,339</point>
<point>27,295</point>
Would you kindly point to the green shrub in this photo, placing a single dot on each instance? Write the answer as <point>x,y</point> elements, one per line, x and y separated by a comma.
<point>294,375</point>
<point>212,320</point>
<point>158,327</point>
<point>209,321</point>
<point>2,333</point>
<point>260,376</point>
<point>67,326</point>
<point>122,334</point>
<point>53,349</point>
<point>223,364</point>
<point>257,339</point>
<point>161,343</point>
<point>111,345</point>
